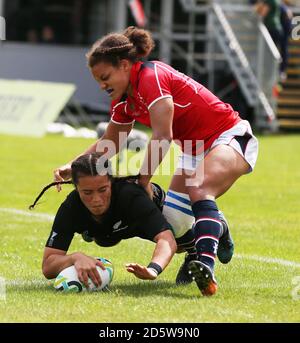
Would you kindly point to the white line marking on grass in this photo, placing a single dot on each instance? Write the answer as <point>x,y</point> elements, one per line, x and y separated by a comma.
<point>279,261</point>
<point>43,216</point>
<point>49,217</point>
<point>27,283</point>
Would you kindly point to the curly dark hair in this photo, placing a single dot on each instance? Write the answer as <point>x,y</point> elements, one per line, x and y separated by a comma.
<point>131,44</point>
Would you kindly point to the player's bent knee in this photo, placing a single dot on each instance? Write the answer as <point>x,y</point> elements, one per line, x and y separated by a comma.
<point>203,193</point>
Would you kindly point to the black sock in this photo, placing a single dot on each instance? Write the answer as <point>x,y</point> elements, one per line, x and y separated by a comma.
<point>206,230</point>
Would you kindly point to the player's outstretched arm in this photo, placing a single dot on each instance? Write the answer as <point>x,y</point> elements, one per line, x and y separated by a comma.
<point>161,116</point>
<point>164,251</point>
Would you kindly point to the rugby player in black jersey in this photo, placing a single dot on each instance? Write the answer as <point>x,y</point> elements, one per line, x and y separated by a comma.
<point>106,210</point>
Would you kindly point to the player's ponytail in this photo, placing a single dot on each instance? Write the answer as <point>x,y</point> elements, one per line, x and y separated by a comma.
<point>132,44</point>
<point>141,39</point>
<point>86,165</point>
<point>31,207</point>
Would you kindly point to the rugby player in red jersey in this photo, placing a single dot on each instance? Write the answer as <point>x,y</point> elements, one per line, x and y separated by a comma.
<point>217,145</point>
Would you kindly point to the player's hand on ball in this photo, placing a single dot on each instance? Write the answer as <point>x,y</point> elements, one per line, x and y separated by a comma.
<point>68,281</point>
<point>141,272</point>
<point>62,173</point>
<point>86,268</point>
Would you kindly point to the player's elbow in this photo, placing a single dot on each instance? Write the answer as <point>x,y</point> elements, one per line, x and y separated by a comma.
<point>48,275</point>
<point>47,272</point>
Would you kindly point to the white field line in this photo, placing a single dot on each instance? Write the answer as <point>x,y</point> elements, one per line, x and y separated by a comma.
<point>263,259</point>
<point>49,283</point>
<point>42,216</point>
<point>49,217</point>
<point>28,283</point>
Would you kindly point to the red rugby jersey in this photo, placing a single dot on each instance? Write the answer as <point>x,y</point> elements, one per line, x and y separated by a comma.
<point>198,114</point>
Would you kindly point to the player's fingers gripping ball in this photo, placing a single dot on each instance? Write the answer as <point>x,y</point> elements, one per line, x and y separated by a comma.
<point>67,280</point>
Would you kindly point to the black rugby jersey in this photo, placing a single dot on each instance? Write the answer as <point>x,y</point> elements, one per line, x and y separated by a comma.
<point>131,214</point>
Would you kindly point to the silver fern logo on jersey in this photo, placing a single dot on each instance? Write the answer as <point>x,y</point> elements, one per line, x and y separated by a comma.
<point>51,240</point>
<point>2,28</point>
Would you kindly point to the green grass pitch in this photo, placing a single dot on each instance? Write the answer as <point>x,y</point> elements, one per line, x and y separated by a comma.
<point>261,284</point>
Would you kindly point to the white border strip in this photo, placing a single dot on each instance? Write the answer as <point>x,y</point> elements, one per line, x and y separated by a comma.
<point>117,122</point>
<point>157,80</point>
<point>182,106</point>
<point>159,98</point>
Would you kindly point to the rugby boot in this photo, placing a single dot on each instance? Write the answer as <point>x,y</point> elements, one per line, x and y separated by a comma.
<point>183,276</point>
<point>204,277</point>
<point>226,245</point>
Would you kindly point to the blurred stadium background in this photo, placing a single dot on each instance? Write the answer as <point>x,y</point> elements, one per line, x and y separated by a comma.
<point>223,45</point>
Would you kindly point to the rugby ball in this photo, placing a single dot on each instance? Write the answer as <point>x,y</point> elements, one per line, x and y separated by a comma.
<point>67,280</point>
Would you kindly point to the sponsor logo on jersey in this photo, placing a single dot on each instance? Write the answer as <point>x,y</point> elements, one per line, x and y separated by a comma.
<point>51,240</point>
<point>116,226</point>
